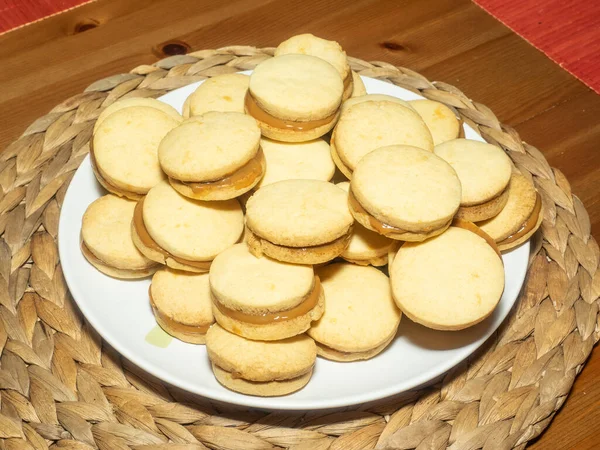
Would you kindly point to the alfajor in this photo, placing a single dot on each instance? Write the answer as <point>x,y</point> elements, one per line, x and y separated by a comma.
<point>521,216</point>
<point>449,282</point>
<point>366,246</point>
<point>264,369</point>
<point>309,160</point>
<point>299,221</point>
<point>404,193</point>
<point>215,156</point>
<point>441,120</point>
<point>484,171</point>
<point>181,303</point>
<point>137,101</point>
<point>367,125</point>
<point>106,239</point>
<point>124,149</point>
<point>294,98</point>
<point>261,298</point>
<point>361,317</point>
<point>330,51</point>
<point>223,93</point>
<point>183,233</point>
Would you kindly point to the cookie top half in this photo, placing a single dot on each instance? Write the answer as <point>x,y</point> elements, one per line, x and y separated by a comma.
<point>297,87</point>
<point>137,101</point>
<point>220,93</point>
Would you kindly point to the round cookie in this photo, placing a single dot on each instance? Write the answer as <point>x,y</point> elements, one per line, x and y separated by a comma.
<point>182,233</point>
<point>223,93</point>
<point>182,304</point>
<point>294,98</point>
<point>441,120</point>
<point>355,100</point>
<point>366,247</point>
<point>137,101</point>
<point>261,298</point>
<point>215,156</point>
<point>520,218</point>
<point>405,193</point>
<point>309,160</point>
<point>359,86</point>
<point>361,317</point>
<point>449,282</point>
<point>484,171</point>
<point>330,51</point>
<point>124,150</point>
<point>106,239</point>
<point>368,125</point>
<point>260,368</point>
<point>299,221</point>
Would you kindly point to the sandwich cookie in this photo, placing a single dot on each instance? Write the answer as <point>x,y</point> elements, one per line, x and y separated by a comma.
<point>367,247</point>
<point>182,233</point>
<point>368,125</point>
<point>355,100</point>
<point>309,160</point>
<point>441,120</point>
<point>181,304</point>
<point>299,221</point>
<point>361,317</point>
<point>124,148</point>
<point>137,101</point>
<point>215,156</point>
<point>106,239</point>
<point>220,93</point>
<point>449,282</point>
<point>264,369</point>
<point>404,193</point>
<point>484,171</point>
<point>359,85</point>
<point>261,298</point>
<point>330,51</point>
<point>294,98</point>
<point>520,218</point>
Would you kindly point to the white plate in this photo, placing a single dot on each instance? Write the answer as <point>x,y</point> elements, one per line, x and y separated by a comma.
<point>120,312</point>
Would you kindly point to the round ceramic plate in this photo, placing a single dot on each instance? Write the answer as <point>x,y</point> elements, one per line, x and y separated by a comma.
<point>119,310</point>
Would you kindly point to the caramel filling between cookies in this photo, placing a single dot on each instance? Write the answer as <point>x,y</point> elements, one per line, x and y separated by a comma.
<point>107,184</point>
<point>173,324</point>
<point>253,109</point>
<point>528,225</point>
<point>240,179</point>
<point>470,226</point>
<point>304,307</point>
<point>142,232</point>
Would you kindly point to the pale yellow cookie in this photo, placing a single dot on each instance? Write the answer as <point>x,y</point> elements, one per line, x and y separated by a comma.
<point>356,99</point>
<point>369,125</point>
<point>359,88</point>
<point>405,193</point>
<point>260,368</point>
<point>220,93</point>
<point>441,120</point>
<point>182,304</point>
<point>137,101</point>
<point>366,246</point>
<point>125,147</point>
<point>360,319</point>
<point>106,239</point>
<point>449,282</point>
<point>296,161</point>
<point>484,171</point>
<point>261,298</point>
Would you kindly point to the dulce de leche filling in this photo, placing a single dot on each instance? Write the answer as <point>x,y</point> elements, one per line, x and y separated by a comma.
<point>142,232</point>
<point>528,225</point>
<point>261,115</point>
<point>174,325</point>
<point>309,302</point>
<point>240,179</point>
<point>382,228</point>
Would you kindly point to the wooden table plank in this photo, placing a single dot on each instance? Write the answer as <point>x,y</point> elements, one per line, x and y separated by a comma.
<point>456,42</point>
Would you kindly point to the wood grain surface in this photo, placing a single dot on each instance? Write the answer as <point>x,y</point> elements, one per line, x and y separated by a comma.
<point>453,41</point>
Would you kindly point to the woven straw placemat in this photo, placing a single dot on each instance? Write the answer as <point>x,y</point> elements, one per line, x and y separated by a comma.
<point>62,387</point>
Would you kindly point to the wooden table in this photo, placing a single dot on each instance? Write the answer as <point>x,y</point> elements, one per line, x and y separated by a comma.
<point>44,63</point>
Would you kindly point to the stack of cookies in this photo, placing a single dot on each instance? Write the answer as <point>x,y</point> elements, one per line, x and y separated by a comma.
<point>259,255</point>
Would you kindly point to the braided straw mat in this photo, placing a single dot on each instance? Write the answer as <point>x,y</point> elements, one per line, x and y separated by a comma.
<point>61,387</point>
